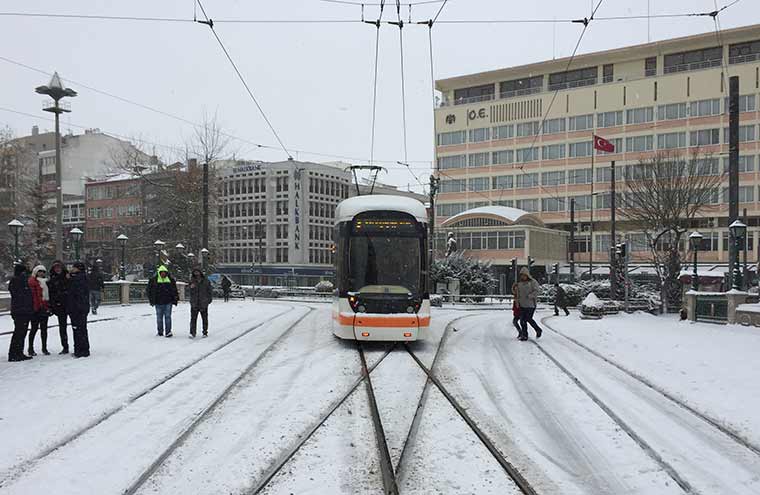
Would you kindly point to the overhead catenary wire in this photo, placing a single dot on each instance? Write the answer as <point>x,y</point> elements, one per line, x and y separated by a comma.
<point>374,84</point>
<point>403,82</point>
<point>210,24</point>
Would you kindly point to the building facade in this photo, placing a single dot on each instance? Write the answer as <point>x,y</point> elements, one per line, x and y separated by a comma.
<point>275,221</point>
<point>522,137</point>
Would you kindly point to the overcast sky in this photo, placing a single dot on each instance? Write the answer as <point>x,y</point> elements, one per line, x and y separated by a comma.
<point>314,81</point>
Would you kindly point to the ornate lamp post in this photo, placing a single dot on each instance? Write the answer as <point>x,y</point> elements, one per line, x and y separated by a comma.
<point>77,234</point>
<point>695,239</point>
<point>16,227</point>
<point>204,256</point>
<point>191,257</point>
<point>180,248</point>
<point>159,245</point>
<point>738,230</point>
<point>57,91</point>
<point>122,268</point>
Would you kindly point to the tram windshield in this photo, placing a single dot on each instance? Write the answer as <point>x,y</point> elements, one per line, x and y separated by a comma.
<point>383,264</point>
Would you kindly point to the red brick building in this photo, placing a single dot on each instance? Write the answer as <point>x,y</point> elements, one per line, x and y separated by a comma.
<point>113,206</point>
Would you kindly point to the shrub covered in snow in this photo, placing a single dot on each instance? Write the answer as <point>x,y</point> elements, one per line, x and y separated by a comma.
<point>475,276</point>
<point>436,300</point>
<point>324,286</point>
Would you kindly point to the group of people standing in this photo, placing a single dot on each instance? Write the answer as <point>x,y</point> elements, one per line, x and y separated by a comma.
<point>163,295</point>
<point>525,292</point>
<point>35,297</point>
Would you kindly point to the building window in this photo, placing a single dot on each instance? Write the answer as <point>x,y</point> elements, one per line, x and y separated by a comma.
<point>478,159</point>
<point>503,132</point>
<point>746,133</point>
<point>527,129</point>
<point>579,176</point>
<point>573,79</point>
<point>650,67</point>
<point>480,135</point>
<point>521,87</point>
<point>707,166</point>
<point>451,138</point>
<point>527,180</point>
<point>456,161</point>
<point>746,164</point>
<point>740,53</point>
<point>746,103</point>
<point>479,183</point>
<point>554,126</point>
<point>511,240</point>
<point>608,73</point>
<point>617,147</point>
<point>602,243</point>
<point>553,204</point>
<point>453,186</point>
<point>609,119</point>
<point>503,182</point>
<point>474,94</point>
<point>639,143</point>
<point>449,209</point>
<point>673,111</point>
<point>693,60</point>
<point>639,115</point>
<point>746,194</point>
<point>530,205</point>
<point>553,178</point>
<point>553,152</point>
<point>527,155</point>
<point>705,108</point>
<point>582,203</point>
<point>503,157</point>
<point>581,122</point>
<point>704,137</point>
<point>671,140</point>
<point>578,150</point>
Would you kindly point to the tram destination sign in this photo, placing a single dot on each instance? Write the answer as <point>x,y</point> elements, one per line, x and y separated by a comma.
<point>384,225</point>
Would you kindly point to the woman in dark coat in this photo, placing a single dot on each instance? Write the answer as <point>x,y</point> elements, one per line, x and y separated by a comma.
<point>22,310</point>
<point>560,301</point>
<point>58,287</point>
<point>78,307</point>
<point>201,296</point>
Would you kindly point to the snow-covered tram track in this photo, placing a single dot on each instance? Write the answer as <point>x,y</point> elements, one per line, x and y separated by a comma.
<point>17,471</point>
<point>697,452</point>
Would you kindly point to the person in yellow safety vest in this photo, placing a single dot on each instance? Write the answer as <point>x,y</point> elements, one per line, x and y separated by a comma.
<point>163,294</point>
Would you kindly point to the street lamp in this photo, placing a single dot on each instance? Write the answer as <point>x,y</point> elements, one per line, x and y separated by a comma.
<point>204,255</point>
<point>738,230</point>
<point>695,239</point>
<point>57,91</point>
<point>122,268</point>
<point>16,228</point>
<point>77,234</point>
<point>180,247</point>
<point>191,257</point>
<point>159,245</point>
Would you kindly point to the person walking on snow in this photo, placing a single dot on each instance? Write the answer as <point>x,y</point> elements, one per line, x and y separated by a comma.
<point>40,300</point>
<point>78,307</point>
<point>201,296</point>
<point>22,310</point>
<point>527,297</point>
<point>97,283</point>
<point>162,294</point>
<point>58,286</point>
<point>226,286</point>
<point>516,310</point>
<point>560,300</point>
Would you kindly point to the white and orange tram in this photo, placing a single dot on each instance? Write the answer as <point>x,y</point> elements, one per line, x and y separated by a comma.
<point>381,269</point>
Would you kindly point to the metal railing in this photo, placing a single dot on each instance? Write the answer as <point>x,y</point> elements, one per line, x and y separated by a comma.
<point>743,59</point>
<point>521,92</point>
<point>693,66</point>
<point>573,84</point>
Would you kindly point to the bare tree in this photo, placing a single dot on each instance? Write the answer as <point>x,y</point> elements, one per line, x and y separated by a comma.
<point>663,194</point>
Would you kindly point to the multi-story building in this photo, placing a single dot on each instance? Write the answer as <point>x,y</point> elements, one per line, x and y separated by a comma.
<point>275,221</point>
<point>522,136</point>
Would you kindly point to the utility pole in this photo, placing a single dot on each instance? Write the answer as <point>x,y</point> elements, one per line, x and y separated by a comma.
<point>57,91</point>
<point>431,227</point>
<point>613,234</point>
<point>572,237</point>
<point>591,220</point>
<point>205,207</point>
<point>733,164</point>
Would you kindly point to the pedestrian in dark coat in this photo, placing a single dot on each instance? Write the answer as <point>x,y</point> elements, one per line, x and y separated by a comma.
<point>40,298</point>
<point>163,294</point>
<point>201,296</point>
<point>58,286</point>
<point>560,300</point>
<point>226,287</point>
<point>78,307</point>
<point>527,296</point>
<point>96,283</point>
<point>516,310</point>
<point>22,310</point>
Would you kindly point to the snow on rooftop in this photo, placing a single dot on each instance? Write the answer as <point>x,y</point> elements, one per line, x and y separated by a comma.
<point>351,207</point>
<point>507,213</point>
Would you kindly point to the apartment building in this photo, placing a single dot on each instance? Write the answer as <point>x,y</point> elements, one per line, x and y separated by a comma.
<point>522,137</point>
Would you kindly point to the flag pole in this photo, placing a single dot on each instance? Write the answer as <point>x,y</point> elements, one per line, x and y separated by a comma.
<point>591,220</point>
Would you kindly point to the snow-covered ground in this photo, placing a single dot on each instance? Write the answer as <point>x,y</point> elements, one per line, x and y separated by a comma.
<point>273,402</point>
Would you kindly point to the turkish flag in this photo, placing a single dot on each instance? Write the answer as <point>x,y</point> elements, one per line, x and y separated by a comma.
<point>602,144</point>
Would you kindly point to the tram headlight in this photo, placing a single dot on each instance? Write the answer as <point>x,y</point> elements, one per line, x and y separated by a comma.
<point>410,309</point>
<point>361,309</point>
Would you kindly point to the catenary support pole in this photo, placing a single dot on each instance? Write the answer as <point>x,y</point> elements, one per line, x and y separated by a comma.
<point>613,235</point>
<point>733,163</point>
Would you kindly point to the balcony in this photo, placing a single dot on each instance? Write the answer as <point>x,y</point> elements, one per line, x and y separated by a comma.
<point>520,92</point>
<point>743,59</point>
<point>573,84</point>
<point>707,64</point>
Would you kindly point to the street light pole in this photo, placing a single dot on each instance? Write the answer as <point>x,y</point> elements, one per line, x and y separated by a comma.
<point>16,227</point>
<point>77,234</point>
<point>123,267</point>
<point>737,230</point>
<point>57,91</point>
<point>159,245</point>
<point>204,256</point>
<point>696,241</point>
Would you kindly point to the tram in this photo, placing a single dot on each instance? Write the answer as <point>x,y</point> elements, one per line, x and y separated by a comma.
<point>381,269</point>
